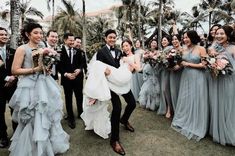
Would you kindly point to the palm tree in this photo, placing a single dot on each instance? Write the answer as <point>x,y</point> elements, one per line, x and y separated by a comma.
<point>216,10</point>
<point>53,10</point>
<point>160,15</point>
<point>96,27</point>
<point>68,20</point>
<point>26,10</point>
<point>15,16</point>
<point>125,14</point>
<point>84,25</point>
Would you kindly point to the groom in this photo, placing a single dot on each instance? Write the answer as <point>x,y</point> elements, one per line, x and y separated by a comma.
<point>110,55</point>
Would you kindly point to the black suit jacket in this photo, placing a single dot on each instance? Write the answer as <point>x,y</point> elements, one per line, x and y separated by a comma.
<point>6,71</point>
<point>104,55</point>
<point>65,66</point>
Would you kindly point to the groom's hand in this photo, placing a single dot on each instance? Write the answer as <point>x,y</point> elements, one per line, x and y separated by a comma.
<point>70,76</point>
<point>107,72</point>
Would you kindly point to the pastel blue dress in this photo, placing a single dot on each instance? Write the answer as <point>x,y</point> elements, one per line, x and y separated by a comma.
<point>174,86</point>
<point>223,112</point>
<point>165,93</point>
<point>191,114</point>
<point>38,106</point>
<point>137,78</point>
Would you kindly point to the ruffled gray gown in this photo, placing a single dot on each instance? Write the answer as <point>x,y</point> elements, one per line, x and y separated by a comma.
<point>191,114</point>
<point>37,105</point>
<point>149,97</point>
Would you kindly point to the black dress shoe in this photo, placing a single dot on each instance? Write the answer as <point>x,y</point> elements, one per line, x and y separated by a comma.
<point>127,126</point>
<point>71,124</point>
<point>117,147</point>
<point>4,143</point>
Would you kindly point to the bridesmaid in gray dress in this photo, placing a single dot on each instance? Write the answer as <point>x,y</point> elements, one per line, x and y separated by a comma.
<point>175,73</point>
<point>191,114</point>
<point>165,94</point>
<point>137,77</point>
<point>213,50</point>
<point>223,112</point>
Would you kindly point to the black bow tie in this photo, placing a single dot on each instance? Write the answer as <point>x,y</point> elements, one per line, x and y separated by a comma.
<point>112,48</point>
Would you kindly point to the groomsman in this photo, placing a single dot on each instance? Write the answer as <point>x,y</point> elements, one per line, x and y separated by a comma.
<point>71,69</point>
<point>51,42</point>
<point>111,55</point>
<point>78,45</point>
<point>8,84</point>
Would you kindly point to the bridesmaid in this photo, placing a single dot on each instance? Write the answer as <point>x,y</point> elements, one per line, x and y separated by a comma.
<point>149,96</point>
<point>212,81</point>
<point>137,78</point>
<point>223,112</point>
<point>191,114</point>
<point>211,37</point>
<point>165,95</point>
<point>175,73</point>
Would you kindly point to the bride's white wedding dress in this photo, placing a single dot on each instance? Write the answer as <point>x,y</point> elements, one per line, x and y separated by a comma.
<point>98,87</point>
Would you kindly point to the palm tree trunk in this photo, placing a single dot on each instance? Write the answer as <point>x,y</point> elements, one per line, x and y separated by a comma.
<point>209,20</point>
<point>139,31</point>
<point>84,26</point>
<point>15,16</point>
<point>53,13</point>
<point>160,26</point>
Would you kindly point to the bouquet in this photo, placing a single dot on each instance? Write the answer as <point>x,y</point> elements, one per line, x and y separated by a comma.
<point>171,59</point>
<point>45,57</point>
<point>151,57</point>
<point>218,65</point>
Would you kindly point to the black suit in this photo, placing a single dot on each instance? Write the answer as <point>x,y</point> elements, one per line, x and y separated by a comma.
<point>6,92</point>
<point>104,55</point>
<point>70,86</point>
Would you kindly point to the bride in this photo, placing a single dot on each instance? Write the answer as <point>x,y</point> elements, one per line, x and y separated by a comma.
<point>101,79</point>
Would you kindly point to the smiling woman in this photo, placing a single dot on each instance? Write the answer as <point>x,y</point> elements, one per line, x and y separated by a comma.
<point>37,103</point>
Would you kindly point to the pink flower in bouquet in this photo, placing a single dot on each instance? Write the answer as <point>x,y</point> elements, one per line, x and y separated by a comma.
<point>221,63</point>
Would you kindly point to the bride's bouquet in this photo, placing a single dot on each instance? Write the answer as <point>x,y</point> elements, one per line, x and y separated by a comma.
<point>218,65</point>
<point>45,57</point>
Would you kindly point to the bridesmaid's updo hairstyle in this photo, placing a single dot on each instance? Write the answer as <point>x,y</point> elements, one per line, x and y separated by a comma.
<point>130,43</point>
<point>193,36</point>
<point>28,28</point>
<point>229,31</point>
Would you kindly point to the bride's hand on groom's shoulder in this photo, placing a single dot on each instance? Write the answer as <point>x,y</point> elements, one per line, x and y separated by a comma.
<point>107,72</point>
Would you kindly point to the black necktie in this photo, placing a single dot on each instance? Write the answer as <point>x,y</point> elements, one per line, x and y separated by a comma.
<point>70,55</point>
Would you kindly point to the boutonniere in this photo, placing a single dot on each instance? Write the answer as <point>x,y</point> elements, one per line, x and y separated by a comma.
<point>8,54</point>
<point>74,51</point>
<point>118,55</point>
